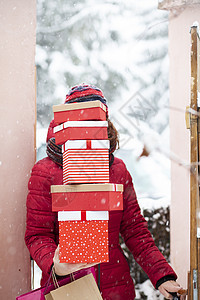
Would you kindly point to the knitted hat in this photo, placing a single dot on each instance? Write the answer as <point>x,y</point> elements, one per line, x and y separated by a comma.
<point>83,93</point>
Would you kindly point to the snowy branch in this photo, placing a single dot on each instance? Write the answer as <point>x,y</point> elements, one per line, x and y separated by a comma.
<point>94,9</point>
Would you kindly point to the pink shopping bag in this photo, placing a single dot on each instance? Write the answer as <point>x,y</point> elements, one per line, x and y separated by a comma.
<point>39,294</point>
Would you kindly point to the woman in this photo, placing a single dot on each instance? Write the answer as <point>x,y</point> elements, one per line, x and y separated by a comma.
<point>42,225</point>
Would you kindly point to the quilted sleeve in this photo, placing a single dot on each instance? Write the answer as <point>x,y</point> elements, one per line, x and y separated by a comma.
<point>40,223</point>
<point>138,239</point>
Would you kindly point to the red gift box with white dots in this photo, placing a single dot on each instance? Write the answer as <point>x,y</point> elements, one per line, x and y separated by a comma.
<point>84,239</point>
<point>86,161</point>
<point>82,111</point>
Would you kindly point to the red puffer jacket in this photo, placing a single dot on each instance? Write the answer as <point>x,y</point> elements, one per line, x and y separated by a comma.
<point>42,232</point>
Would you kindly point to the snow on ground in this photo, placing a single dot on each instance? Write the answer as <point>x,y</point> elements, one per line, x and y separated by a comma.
<point>146,289</point>
<point>37,276</point>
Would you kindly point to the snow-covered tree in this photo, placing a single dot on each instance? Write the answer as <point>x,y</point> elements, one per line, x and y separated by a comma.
<point>119,46</point>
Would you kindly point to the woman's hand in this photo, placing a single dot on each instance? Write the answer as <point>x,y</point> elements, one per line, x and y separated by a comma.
<point>173,287</point>
<point>62,269</point>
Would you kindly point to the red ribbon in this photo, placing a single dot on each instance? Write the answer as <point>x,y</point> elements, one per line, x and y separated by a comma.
<point>83,215</point>
<point>89,144</point>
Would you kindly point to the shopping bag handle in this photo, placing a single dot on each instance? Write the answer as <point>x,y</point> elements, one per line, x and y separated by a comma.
<point>48,282</point>
<point>55,281</point>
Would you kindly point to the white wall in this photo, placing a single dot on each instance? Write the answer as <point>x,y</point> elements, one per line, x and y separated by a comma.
<point>17,119</point>
<point>179,51</point>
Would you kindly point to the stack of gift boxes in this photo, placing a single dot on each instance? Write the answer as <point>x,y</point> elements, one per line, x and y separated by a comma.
<point>84,200</point>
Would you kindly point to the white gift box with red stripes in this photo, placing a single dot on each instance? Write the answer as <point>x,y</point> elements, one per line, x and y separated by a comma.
<point>83,236</point>
<point>86,161</point>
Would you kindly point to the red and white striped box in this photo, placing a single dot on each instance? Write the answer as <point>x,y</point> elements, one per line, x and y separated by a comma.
<point>86,161</point>
<point>101,196</point>
<point>81,130</point>
<point>83,236</point>
<point>83,111</point>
